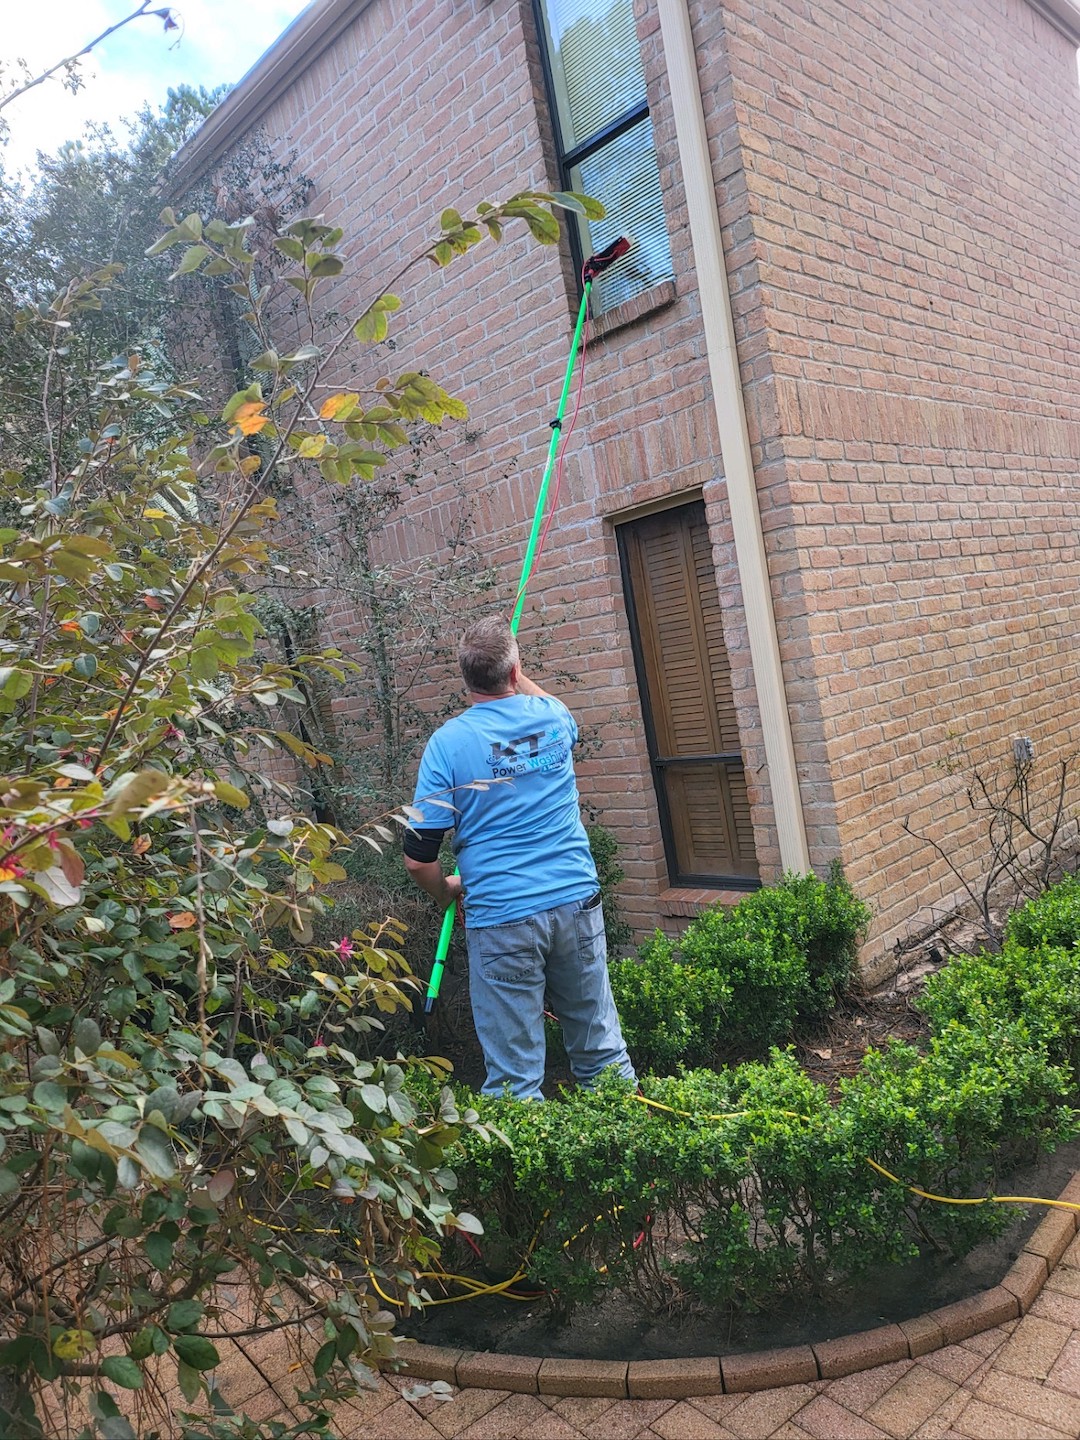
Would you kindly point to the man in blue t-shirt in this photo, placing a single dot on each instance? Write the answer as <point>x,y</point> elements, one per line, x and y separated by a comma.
<point>533,918</point>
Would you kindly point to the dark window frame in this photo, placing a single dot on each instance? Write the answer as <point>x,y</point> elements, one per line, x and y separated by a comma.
<point>677,878</point>
<point>567,159</point>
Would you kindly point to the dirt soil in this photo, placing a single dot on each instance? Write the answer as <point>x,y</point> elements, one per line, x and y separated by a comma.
<point>616,1328</point>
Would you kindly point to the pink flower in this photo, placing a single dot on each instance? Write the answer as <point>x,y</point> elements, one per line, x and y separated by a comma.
<point>344,948</point>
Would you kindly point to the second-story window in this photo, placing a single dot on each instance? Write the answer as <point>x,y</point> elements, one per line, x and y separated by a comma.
<point>604,137</point>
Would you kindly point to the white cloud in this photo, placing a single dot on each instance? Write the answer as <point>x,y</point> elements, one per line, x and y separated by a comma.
<point>218,44</point>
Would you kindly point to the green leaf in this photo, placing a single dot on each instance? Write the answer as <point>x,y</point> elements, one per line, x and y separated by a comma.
<point>50,1096</point>
<point>193,1350</point>
<point>183,1314</point>
<point>324,265</point>
<point>193,258</point>
<point>14,683</point>
<point>154,1150</point>
<point>450,219</point>
<point>123,1371</point>
<point>87,1036</point>
<point>371,327</point>
<point>204,663</point>
<point>189,1382</point>
<point>159,1249</point>
<point>374,1097</point>
<point>324,1358</point>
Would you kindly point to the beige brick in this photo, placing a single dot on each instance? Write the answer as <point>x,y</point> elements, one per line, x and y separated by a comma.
<point>1025,1279</point>
<point>430,1362</point>
<point>1052,1237</point>
<point>988,1422</point>
<point>766,1368</point>
<point>826,1420</point>
<point>861,1351</point>
<point>583,1377</point>
<point>765,1411</point>
<point>1033,1348</point>
<point>911,1402</point>
<point>1031,1400</point>
<point>489,1371</point>
<point>923,1335</point>
<point>673,1379</point>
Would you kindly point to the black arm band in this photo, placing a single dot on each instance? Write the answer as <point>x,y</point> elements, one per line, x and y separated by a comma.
<point>423,845</point>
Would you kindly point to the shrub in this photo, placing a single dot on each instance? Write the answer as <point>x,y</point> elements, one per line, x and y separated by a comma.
<point>178,1088</point>
<point>605,853</point>
<point>741,979</point>
<point>1038,989</point>
<point>754,1185</point>
<point>671,1012</point>
<point>1051,919</point>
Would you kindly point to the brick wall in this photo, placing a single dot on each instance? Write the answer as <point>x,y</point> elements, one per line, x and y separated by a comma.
<point>895,193</point>
<point>909,177</point>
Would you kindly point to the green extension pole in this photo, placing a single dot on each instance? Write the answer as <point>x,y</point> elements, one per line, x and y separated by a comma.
<point>443,947</point>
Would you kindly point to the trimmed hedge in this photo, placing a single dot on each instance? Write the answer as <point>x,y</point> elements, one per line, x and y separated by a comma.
<point>759,1187</point>
<point>741,979</point>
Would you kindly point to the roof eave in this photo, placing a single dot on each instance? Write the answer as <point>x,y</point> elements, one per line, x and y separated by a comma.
<point>313,30</point>
<point>1064,15</point>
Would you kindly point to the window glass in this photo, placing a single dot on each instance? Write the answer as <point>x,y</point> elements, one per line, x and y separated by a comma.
<point>624,176</point>
<point>595,64</point>
<point>605,138</point>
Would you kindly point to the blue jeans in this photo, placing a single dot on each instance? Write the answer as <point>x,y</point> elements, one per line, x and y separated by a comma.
<point>562,953</point>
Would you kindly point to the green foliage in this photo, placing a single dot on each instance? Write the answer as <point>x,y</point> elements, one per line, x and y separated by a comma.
<point>1037,989</point>
<point>751,1185</point>
<point>742,978</point>
<point>671,1012</point>
<point>181,1092</point>
<point>1051,919</point>
<point>605,853</point>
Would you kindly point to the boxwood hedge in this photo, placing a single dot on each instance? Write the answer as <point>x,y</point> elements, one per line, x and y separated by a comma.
<point>758,1186</point>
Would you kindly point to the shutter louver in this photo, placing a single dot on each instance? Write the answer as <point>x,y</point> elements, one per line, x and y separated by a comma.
<point>687,684</point>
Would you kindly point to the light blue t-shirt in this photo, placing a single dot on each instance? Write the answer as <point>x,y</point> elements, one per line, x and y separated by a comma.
<point>520,844</point>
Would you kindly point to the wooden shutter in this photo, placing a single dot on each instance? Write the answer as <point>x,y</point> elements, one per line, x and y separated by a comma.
<point>685,682</point>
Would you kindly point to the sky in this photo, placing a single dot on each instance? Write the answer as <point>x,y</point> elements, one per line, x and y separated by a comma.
<point>218,42</point>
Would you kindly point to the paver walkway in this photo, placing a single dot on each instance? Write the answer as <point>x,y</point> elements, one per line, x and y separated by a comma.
<point>1020,1381</point>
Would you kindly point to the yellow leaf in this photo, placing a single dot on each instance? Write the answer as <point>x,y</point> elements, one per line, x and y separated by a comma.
<point>72,1344</point>
<point>338,407</point>
<point>251,417</point>
<point>183,920</point>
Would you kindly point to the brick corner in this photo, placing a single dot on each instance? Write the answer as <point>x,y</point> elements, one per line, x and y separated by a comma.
<point>1025,1278</point>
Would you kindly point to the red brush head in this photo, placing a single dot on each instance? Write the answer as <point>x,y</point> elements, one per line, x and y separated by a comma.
<point>602,259</point>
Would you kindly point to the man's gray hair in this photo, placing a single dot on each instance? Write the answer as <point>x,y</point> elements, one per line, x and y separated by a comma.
<point>487,653</point>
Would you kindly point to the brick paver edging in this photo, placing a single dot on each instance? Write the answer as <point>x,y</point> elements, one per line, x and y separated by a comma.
<point>763,1369</point>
